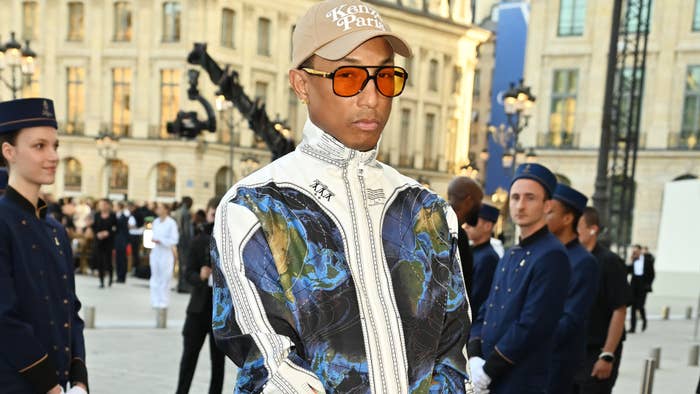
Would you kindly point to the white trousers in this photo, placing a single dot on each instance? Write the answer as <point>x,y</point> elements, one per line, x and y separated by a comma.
<point>161,260</point>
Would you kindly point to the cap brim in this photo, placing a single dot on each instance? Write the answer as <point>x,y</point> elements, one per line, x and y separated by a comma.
<point>342,46</point>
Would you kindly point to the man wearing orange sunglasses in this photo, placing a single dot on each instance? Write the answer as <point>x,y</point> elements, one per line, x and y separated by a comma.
<point>333,272</point>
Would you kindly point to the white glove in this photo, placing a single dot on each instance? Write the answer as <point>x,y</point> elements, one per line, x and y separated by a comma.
<point>480,379</point>
<point>76,390</point>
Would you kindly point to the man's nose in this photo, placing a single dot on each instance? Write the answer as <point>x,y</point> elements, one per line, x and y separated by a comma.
<point>369,95</point>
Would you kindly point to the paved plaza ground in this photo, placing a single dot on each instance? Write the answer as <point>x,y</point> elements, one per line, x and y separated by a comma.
<point>126,353</point>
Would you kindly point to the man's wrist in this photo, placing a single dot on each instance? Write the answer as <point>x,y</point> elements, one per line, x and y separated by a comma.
<point>606,356</point>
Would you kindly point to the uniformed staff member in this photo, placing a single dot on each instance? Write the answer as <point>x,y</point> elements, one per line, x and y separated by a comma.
<point>464,196</point>
<point>485,257</point>
<point>570,336</point>
<point>606,328</point>
<point>512,337</point>
<point>41,334</point>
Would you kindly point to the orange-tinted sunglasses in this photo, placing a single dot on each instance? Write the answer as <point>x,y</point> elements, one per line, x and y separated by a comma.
<point>349,81</point>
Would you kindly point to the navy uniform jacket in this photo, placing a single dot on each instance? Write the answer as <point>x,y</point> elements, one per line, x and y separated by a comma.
<point>570,335</point>
<point>515,326</point>
<point>485,262</point>
<point>41,334</point>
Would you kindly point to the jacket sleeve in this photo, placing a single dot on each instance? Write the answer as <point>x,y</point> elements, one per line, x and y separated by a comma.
<point>450,371</point>
<point>21,350</point>
<point>543,304</point>
<point>483,277</point>
<point>252,327</point>
<point>78,369</point>
<point>583,285</point>
<point>196,258</point>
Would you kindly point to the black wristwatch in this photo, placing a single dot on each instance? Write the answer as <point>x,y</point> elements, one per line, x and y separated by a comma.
<point>607,356</point>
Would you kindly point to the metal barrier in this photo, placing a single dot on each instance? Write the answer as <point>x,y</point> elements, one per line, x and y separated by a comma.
<point>655,354</point>
<point>648,376</point>
<point>665,312</point>
<point>697,319</point>
<point>161,317</point>
<point>693,355</point>
<point>89,317</point>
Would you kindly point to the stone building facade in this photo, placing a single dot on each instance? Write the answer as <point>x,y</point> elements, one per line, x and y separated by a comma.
<point>119,67</point>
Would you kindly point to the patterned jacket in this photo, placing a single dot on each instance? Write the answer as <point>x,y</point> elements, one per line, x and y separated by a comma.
<point>334,272</point>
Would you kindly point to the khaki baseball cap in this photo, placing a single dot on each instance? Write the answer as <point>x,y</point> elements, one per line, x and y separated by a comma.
<point>334,28</point>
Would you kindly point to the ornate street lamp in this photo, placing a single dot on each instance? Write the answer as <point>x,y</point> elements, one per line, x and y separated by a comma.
<point>20,60</point>
<point>107,146</point>
<point>517,103</point>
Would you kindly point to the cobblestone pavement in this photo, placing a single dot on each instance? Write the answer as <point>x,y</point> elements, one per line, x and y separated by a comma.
<point>126,353</point>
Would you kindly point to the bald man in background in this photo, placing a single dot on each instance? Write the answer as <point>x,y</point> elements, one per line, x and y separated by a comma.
<point>464,195</point>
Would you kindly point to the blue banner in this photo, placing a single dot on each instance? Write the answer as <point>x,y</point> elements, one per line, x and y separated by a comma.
<point>511,38</point>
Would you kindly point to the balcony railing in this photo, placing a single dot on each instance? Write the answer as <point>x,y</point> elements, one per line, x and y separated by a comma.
<point>156,132</point>
<point>684,140</point>
<point>558,140</point>
<point>71,128</point>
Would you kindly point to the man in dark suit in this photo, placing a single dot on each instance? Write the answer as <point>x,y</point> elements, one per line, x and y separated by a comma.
<point>464,196</point>
<point>199,310</point>
<point>642,276</point>
<point>606,326</point>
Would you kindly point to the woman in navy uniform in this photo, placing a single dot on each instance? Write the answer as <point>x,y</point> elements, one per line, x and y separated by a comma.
<point>512,337</point>
<point>41,334</point>
<point>570,337</point>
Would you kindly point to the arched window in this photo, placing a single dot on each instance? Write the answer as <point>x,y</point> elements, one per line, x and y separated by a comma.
<point>685,177</point>
<point>72,175</point>
<point>166,176</point>
<point>118,177</point>
<point>222,181</point>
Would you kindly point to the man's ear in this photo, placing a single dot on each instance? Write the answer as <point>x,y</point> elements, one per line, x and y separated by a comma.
<point>547,205</point>
<point>297,80</point>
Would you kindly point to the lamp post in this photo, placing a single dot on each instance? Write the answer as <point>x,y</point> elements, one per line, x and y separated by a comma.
<point>517,103</point>
<point>17,59</point>
<point>107,146</point>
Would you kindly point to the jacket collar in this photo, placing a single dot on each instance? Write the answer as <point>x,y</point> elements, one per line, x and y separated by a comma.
<point>14,196</point>
<point>534,236</point>
<point>481,245</point>
<point>323,146</point>
<point>572,243</point>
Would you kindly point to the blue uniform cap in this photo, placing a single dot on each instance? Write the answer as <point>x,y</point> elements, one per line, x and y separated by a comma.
<point>571,197</point>
<point>3,178</point>
<point>23,113</point>
<point>489,213</point>
<point>537,173</point>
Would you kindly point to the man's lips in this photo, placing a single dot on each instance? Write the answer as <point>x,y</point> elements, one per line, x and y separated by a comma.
<point>367,124</point>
